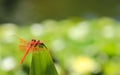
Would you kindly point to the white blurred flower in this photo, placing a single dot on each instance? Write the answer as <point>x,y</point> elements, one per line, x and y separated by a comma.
<point>50,25</point>
<point>118,31</point>
<point>79,32</point>
<point>82,65</point>
<point>108,31</point>
<point>9,30</point>
<point>8,64</point>
<point>58,44</point>
<point>37,29</point>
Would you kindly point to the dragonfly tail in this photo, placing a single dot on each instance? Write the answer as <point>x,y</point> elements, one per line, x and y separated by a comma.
<point>27,51</point>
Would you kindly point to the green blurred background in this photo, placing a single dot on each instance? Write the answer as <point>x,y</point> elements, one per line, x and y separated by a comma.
<point>83,36</point>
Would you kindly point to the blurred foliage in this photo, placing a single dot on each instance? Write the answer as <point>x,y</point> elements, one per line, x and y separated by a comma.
<point>32,11</point>
<point>79,47</point>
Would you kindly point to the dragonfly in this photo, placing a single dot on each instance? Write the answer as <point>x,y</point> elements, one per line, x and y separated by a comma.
<point>33,45</point>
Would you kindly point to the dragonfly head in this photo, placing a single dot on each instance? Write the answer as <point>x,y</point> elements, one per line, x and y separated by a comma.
<point>33,40</point>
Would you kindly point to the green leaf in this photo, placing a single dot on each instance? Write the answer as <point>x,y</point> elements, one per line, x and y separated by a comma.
<point>42,64</point>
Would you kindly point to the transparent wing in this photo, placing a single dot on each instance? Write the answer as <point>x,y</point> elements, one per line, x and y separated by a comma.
<point>23,41</point>
<point>22,47</point>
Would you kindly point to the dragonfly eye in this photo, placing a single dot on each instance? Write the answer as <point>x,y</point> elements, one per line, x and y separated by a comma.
<point>34,40</point>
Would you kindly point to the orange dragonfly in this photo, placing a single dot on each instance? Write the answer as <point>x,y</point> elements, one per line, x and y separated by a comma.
<point>33,45</point>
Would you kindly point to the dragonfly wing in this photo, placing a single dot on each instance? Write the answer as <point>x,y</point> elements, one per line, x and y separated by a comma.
<point>34,49</point>
<point>22,47</point>
<point>23,41</point>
